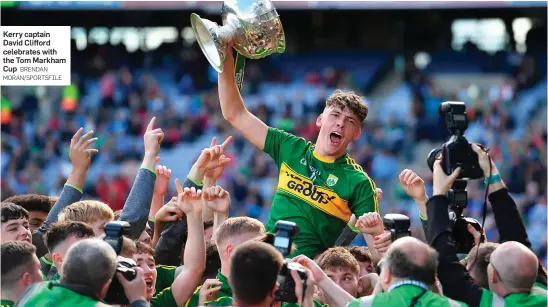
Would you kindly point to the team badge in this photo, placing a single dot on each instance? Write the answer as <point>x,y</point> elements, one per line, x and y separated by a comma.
<point>332,180</point>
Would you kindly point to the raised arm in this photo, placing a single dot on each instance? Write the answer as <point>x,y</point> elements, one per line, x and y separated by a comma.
<point>414,187</point>
<point>457,283</point>
<point>233,108</point>
<point>191,203</point>
<point>137,206</point>
<point>80,157</point>
<point>163,174</point>
<point>218,201</point>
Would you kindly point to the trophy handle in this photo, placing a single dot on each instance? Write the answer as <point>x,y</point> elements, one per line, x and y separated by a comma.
<point>212,45</point>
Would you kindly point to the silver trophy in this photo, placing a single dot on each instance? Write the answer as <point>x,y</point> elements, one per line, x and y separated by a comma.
<point>252,25</point>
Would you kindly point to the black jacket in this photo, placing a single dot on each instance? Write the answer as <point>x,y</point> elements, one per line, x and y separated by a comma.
<point>457,283</point>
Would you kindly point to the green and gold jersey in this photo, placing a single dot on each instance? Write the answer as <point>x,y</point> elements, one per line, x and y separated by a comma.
<point>319,195</point>
<point>164,299</point>
<point>6,303</point>
<point>165,277</point>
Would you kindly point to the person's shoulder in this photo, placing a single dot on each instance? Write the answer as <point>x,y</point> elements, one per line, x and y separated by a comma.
<point>221,301</point>
<point>287,136</point>
<point>355,174</point>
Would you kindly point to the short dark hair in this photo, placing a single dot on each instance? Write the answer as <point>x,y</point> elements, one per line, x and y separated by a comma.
<point>254,271</point>
<point>33,202</point>
<point>361,253</point>
<point>208,224</point>
<point>402,266</point>
<point>342,99</point>
<point>338,257</point>
<point>11,211</point>
<point>481,255</point>
<point>15,258</point>
<point>60,231</point>
<point>213,261</point>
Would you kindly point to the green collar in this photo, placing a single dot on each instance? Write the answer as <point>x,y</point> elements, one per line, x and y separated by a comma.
<point>6,303</point>
<point>225,287</point>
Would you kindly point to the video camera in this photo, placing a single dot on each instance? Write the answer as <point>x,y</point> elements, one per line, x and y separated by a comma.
<point>458,152</point>
<point>285,232</point>
<point>113,236</point>
<point>398,224</point>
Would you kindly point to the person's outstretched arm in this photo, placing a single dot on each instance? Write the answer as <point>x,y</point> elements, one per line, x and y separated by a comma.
<point>190,201</point>
<point>505,210</point>
<point>80,157</point>
<point>457,283</point>
<point>233,108</point>
<point>137,206</point>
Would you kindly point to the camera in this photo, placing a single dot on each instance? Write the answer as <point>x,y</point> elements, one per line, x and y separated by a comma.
<point>458,200</point>
<point>398,224</point>
<point>114,231</point>
<point>285,232</point>
<point>457,151</point>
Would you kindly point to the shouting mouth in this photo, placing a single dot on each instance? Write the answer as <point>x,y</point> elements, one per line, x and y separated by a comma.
<point>335,138</point>
<point>149,284</point>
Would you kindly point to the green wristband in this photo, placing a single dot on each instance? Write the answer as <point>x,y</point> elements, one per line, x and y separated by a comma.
<point>493,179</point>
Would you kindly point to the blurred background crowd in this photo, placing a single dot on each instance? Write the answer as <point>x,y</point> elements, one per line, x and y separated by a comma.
<point>494,60</point>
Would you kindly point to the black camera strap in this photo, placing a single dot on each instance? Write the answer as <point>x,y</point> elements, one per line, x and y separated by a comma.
<point>416,299</point>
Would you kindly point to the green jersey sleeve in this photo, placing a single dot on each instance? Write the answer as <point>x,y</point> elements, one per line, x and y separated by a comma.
<point>277,140</point>
<point>164,299</point>
<point>165,277</point>
<point>364,199</point>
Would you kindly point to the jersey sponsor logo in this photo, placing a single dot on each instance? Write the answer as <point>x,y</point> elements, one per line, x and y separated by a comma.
<point>319,197</point>
<point>332,180</point>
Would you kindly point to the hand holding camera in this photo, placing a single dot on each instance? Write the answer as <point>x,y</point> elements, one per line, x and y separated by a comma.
<point>441,182</point>
<point>485,162</point>
<point>134,289</point>
<point>304,288</point>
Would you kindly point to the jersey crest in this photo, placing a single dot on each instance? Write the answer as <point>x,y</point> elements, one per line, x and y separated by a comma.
<point>332,180</point>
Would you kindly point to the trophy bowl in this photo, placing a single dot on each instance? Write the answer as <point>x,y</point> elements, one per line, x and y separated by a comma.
<point>253,26</point>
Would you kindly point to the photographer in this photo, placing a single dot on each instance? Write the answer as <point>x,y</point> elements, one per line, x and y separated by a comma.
<point>83,286</point>
<point>408,273</point>
<point>254,272</point>
<point>512,268</point>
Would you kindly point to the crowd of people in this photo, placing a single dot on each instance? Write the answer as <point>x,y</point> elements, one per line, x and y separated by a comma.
<point>192,247</point>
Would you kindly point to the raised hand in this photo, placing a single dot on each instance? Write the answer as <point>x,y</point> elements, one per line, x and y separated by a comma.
<point>485,162</point>
<point>163,174</point>
<point>317,273</point>
<point>413,185</point>
<point>189,200</point>
<point>212,160</point>
<point>80,153</point>
<point>153,138</point>
<point>370,223</point>
<point>382,242</point>
<point>217,199</point>
<point>170,212</point>
<point>379,194</point>
<point>209,291</point>
<point>442,183</point>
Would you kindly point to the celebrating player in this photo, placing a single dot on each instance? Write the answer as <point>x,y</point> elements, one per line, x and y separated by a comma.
<point>320,186</point>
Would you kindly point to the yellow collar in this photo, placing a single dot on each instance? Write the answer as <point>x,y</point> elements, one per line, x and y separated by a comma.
<point>323,159</point>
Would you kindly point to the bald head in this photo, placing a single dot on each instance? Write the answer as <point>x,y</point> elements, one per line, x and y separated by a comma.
<point>409,258</point>
<point>86,254</point>
<point>516,265</point>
